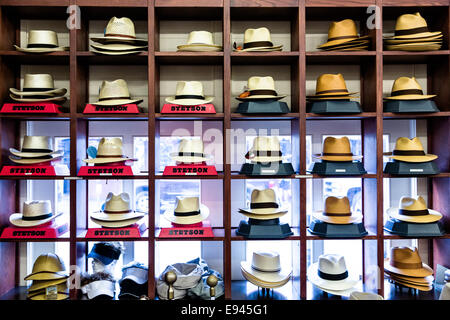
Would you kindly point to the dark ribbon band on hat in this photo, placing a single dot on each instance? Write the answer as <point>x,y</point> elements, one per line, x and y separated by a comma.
<point>337,154</point>
<point>267,153</point>
<point>107,251</point>
<point>190,154</point>
<point>37,89</point>
<point>41,217</point>
<point>413,212</point>
<point>332,91</point>
<point>186,214</point>
<point>112,156</point>
<point>38,158</point>
<point>113,98</point>
<point>261,270</point>
<point>189,96</point>
<point>404,265</point>
<point>406,91</point>
<point>333,277</point>
<point>119,35</point>
<point>345,214</point>
<point>411,31</point>
<point>124,211</point>
<point>260,162</point>
<point>408,153</point>
<point>342,37</point>
<point>261,92</point>
<point>258,44</point>
<point>41,45</point>
<point>35,150</point>
<point>263,205</point>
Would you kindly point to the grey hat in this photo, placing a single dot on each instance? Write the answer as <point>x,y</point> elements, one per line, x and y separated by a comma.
<point>188,276</point>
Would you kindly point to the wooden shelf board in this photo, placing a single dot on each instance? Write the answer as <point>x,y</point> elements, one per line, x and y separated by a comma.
<point>440,175</point>
<point>159,176</point>
<point>390,115</point>
<point>285,116</point>
<point>363,115</point>
<point>52,58</point>
<point>174,116</point>
<point>295,237</point>
<point>36,117</point>
<point>264,58</point>
<point>188,58</point>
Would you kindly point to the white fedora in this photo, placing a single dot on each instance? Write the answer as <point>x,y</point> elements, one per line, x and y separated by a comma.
<point>34,213</point>
<point>414,210</point>
<point>260,88</point>
<point>259,40</point>
<point>38,85</point>
<point>190,151</point>
<point>114,93</point>
<point>265,149</point>
<point>120,30</point>
<point>117,212</point>
<point>35,149</point>
<point>42,41</point>
<point>337,211</point>
<point>199,41</point>
<point>189,93</point>
<point>114,49</point>
<point>188,210</point>
<point>330,273</point>
<point>109,151</point>
<point>263,205</point>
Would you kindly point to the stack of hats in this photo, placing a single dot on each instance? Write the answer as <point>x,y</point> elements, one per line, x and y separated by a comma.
<point>117,212</point>
<point>109,151</point>
<point>330,274</point>
<point>49,279</point>
<point>200,41</point>
<point>35,213</point>
<point>119,39</point>
<point>331,87</point>
<point>115,93</point>
<point>189,93</point>
<point>134,282</point>
<point>343,36</point>
<point>405,268</point>
<point>42,41</point>
<point>35,150</point>
<point>412,34</point>
<point>257,40</point>
<point>190,151</point>
<point>38,88</point>
<point>188,211</point>
<point>265,271</point>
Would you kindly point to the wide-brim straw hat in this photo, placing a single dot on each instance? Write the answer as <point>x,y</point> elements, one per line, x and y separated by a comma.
<point>37,285</point>
<point>357,45</point>
<point>117,47</point>
<point>405,88</point>
<point>337,149</point>
<point>262,284</point>
<point>189,93</point>
<point>108,151</point>
<point>42,41</point>
<point>17,220</point>
<point>342,32</point>
<point>263,205</point>
<point>331,86</point>
<point>358,295</point>
<point>412,26</point>
<point>190,151</point>
<point>414,210</point>
<point>203,214</point>
<point>56,99</point>
<point>117,208</point>
<point>41,85</point>
<point>415,40</point>
<point>41,50</point>
<point>34,213</point>
<point>120,30</point>
<point>260,88</point>
<point>263,216</point>
<point>259,40</point>
<point>113,93</point>
<point>265,279</point>
<point>265,149</point>
<point>117,224</point>
<point>116,53</point>
<point>419,46</point>
<point>417,281</point>
<point>337,211</point>
<point>336,285</point>
<point>406,261</point>
<point>410,150</point>
<point>33,160</point>
<point>199,41</point>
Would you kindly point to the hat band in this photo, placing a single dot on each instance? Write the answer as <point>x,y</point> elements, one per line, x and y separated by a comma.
<point>413,212</point>
<point>337,154</point>
<point>113,98</point>
<point>257,44</point>
<point>123,211</point>
<point>38,158</point>
<point>41,45</point>
<point>406,265</point>
<point>263,205</point>
<point>107,251</point>
<point>36,89</point>
<point>41,217</point>
<point>411,31</point>
<point>332,91</point>
<point>189,96</point>
<point>110,156</point>
<point>119,35</point>
<point>342,37</point>
<point>186,214</point>
<point>32,150</point>
<point>345,214</point>
<point>190,154</point>
<point>261,92</point>
<point>406,91</point>
<point>408,153</point>
<point>262,270</point>
<point>332,277</point>
<point>268,153</point>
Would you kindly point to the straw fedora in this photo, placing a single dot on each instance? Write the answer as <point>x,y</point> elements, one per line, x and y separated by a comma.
<point>425,39</point>
<point>419,46</point>
<point>35,213</point>
<point>331,87</point>
<point>190,151</point>
<point>265,270</point>
<point>410,26</point>
<point>120,30</point>
<point>263,205</point>
<point>38,285</point>
<point>188,210</point>
<point>422,281</point>
<point>265,149</point>
<point>113,93</point>
<point>47,267</point>
<point>445,293</point>
<point>199,41</point>
<point>189,93</point>
<point>42,41</point>
<point>260,88</point>
<point>337,211</point>
<point>117,212</point>
<point>35,149</point>
<point>108,151</point>
<point>405,88</point>
<point>117,48</point>
<point>259,40</point>
<point>414,210</point>
<point>38,85</point>
<point>358,295</point>
<point>406,261</point>
<point>337,149</point>
<point>410,150</point>
<point>342,32</point>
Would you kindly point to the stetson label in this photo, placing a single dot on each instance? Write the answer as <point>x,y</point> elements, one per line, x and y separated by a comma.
<point>51,293</point>
<point>194,232</point>
<point>43,107</point>
<point>39,170</point>
<point>125,108</point>
<point>193,170</point>
<point>201,108</point>
<point>134,231</point>
<point>105,171</point>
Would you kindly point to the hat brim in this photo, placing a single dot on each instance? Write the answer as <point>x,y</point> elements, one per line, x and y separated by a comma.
<point>357,295</point>
<point>199,48</point>
<point>116,217</point>
<point>60,296</point>
<point>334,43</point>
<point>266,159</point>
<point>425,271</point>
<point>416,35</point>
<point>106,160</point>
<point>319,215</point>
<point>61,287</point>
<point>32,161</point>
<point>186,159</point>
<point>51,93</point>
<point>331,98</point>
<point>264,211</point>
<point>414,286</point>
<point>422,281</point>
<point>33,154</point>
<point>189,102</point>
<point>39,285</point>
<point>336,285</point>
<point>358,43</point>
<point>16,220</point>
<point>118,47</point>
<point>262,284</point>
<point>170,216</point>
<point>55,99</point>
<point>411,97</point>
<point>117,102</point>
<point>264,276</point>
<point>46,276</point>
<point>432,216</point>
<point>415,46</point>
<point>425,158</point>
<point>116,224</point>
<point>41,50</point>
<point>261,49</point>
<point>261,97</point>
<point>333,95</point>
<point>337,158</point>
<point>116,53</point>
<point>262,216</point>
<point>414,40</point>
<point>106,40</point>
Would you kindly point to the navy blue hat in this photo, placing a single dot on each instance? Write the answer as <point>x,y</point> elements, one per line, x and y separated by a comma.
<point>105,253</point>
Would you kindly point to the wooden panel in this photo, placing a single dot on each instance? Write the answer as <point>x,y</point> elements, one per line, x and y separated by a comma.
<point>194,3</point>
<point>264,3</point>
<point>112,3</point>
<point>333,3</point>
<point>410,3</point>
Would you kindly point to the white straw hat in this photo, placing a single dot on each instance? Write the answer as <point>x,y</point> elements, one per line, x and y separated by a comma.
<point>120,30</point>
<point>108,151</point>
<point>113,93</point>
<point>260,88</point>
<point>35,149</point>
<point>265,149</point>
<point>42,41</point>
<point>38,85</point>
<point>263,205</point>
<point>200,41</point>
<point>34,213</point>
<point>190,151</point>
<point>188,210</point>
<point>259,40</point>
<point>189,93</point>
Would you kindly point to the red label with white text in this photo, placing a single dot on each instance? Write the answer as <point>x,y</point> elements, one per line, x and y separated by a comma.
<point>32,107</point>
<point>99,171</point>
<point>47,231</point>
<point>39,170</point>
<point>125,108</point>
<point>201,108</point>
<point>134,231</point>
<point>190,170</point>
<point>188,231</point>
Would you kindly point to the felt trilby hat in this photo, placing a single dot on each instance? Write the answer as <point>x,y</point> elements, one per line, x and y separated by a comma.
<point>117,212</point>
<point>405,88</point>
<point>331,87</point>
<point>120,30</point>
<point>189,93</point>
<point>108,151</point>
<point>358,295</point>
<point>113,93</point>
<point>337,211</point>
<point>265,149</point>
<point>414,210</point>
<point>200,41</point>
<point>42,41</point>
<point>259,40</point>
<point>188,210</point>
<point>260,88</point>
<point>35,149</point>
<point>410,150</point>
<point>38,85</point>
<point>38,285</point>
<point>35,213</point>
<point>190,151</point>
<point>341,32</point>
<point>406,261</point>
<point>47,267</point>
<point>410,26</point>
<point>330,273</point>
<point>265,270</point>
<point>337,149</point>
<point>263,205</point>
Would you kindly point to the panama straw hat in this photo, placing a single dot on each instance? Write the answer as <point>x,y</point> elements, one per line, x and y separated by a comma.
<point>117,211</point>
<point>406,261</point>
<point>405,88</point>
<point>424,46</point>
<point>113,93</point>
<point>410,26</point>
<point>35,149</point>
<point>265,270</point>
<point>414,210</point>
<point>330,273</point>
<point>337,211</point>
<point>337,149</point>
<point>112,48</point>
<point>38,285</point>
<point>120,30</point>
<point>190,151</point>
<point>108,151</point>
<point>265,149</point>
<point>259,40</point>
<point>263,204</point>
<point>188,210</point>
<point>42,41</point>
<point>356,44</point>
<point>260,88</point>
<point>38,85</point>
<point>189,93</point>
<point>47,267</point>
<point>415,40</point>
<point>425,281</point>
<point>200,41</point>
<point>342,32</point>
<point>410,150</point>
<point>445,293</point>
<point>358,295</point>
<point>35,213</point>
<point>331,86</point>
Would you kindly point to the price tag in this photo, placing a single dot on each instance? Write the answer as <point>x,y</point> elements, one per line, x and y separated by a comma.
<point>51,293</point>
<point>341,170</point>
<point>415,170</point>
<point>267,171</point>
<point>191,173</point>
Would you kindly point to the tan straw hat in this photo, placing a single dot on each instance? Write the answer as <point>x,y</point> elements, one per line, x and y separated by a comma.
<point>47,267</point>
<point>342,32</point>
<point>38,285</point>
<point>38,85</point>
<point>188,210</point>
<point>405,88</point>
<point>35,213</point>
<point>331,87</point>
<point>265,149</point>
<point>260,88</point>
<point>337,211</point>
<point>406,261</point>
<point>263,205</point>
<point>114,93</point>
<point>120,30</point>
<point>108,151</point>
<point>42,41</point>
<point>337,149</point>
<point>200,41</point>
<point>189,93</point>
<point>35,149</point>
<point>411,26</point>
<point>414,210</point>
<point>410,150</point>
<point>190,151</point>
<point>259,40</point>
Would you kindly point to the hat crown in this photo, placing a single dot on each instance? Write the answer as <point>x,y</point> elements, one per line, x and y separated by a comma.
<point>48,262</point>
<point>120,27</point>
<point>46,37</point>
<point>117,89</point>
<point>328,81</point>
<point>261,196</point>
<point>413,204</point>
<point>337,145</point>
<point>191,145</point>
<point>37,142</point>
<point>261,83</point>
<point>410,21</point>
<point>110,147</point>
<point>36,208</point>
<point>118,203</point>
<point>266,143</point>
<point>187,204</point>
<point>405,258</point>
<point>200,37</point>
<point>38,81</point>
<point>189,88</point>
<point>405,83</point>
<point>332,264</point>
<point>268,261</point>
<point>337,205</point>
<point>342,28</point>
<point>259,34</point>
<point>406,144</point>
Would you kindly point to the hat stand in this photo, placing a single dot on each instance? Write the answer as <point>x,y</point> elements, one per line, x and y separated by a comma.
<point>264,106</point>
<point>402,168</point>
<point>409,106</point>
<point>264,229</point>
<point>338,168</point>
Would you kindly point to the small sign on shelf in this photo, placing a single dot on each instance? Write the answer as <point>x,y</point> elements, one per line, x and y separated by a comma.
<point>133,231</point>
<point>32,107</point>
<point>125,108</point>
<point>199,230</point>
<point>47,231</point>
<point>28,171</point>
<point>98,171</point>
<point>190,170</point>
<point>201,108</point>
